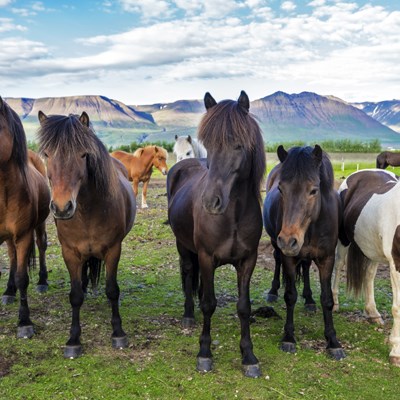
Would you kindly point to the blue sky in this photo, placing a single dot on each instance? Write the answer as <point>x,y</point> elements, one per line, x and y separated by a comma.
<point>147,51</point>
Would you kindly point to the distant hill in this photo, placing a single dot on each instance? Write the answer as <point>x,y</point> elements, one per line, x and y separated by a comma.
<point>386,112</point>
<point>283,117</point>
<point>114,122</point>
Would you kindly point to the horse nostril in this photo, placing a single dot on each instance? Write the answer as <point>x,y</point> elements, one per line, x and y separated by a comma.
<point>217,202</point>
<point>293,243</point>
<point>68,207</point>
<point>53,207</point>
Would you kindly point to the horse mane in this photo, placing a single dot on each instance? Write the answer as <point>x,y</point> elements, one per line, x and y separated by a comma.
<point>138,152</point>
<point>19,152</point>
<point>301,165</point>
<point>228,123</point>
<point>67,137</point>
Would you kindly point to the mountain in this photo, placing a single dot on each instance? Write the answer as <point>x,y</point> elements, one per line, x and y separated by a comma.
<point>114,122</point>
<point>283,117</point>
<point>386,112</point>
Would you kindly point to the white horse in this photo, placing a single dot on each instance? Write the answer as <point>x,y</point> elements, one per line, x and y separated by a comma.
<point>371,235</point>
<point>186,147</point>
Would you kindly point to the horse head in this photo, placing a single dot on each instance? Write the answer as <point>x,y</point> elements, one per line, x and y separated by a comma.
<point>300,192</point>
<point>160,159</point>
<point>66,170</point>
<point>224,130</point>
<point>183,148</point>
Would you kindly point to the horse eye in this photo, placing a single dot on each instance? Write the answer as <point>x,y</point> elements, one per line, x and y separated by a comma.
<point>46,155</point>
<point>280,190</point>
<point>188,153</point>
<point>313,192</point>
<point>84,155</point>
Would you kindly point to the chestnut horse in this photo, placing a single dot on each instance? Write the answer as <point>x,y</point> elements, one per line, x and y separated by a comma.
<point>94,208</point>
<point>370,235</point>
<point>386,158</point>
<point>140,166</point>
<point>214,209</point>
<point>301,215</point>
<point>24,207</point>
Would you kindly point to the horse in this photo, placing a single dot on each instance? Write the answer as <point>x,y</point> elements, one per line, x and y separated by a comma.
<point>301,215</point>
<point>214,210</point>
<point>186,147</point>
<point>140,166</point>
<point>370,234</point>
<point>386,158</point>
<point>24,207</point>
<point>94,208</point>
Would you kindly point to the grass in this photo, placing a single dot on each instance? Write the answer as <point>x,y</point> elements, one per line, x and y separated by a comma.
<point>160,360</point>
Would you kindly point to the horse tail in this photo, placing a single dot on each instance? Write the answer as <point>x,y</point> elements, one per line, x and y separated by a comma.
<point>92,271</point>
<point>357,264</point>
<point>195,274</point>
<point>32,255</point>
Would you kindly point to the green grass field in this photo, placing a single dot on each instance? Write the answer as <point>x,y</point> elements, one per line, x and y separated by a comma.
<point>160,360</point>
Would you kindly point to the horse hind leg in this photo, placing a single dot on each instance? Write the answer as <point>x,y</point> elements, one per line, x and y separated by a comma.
<point>41,242</point>
<point>340,261</point>
<point>189,267</point>
<point>9,295</point>
<point>272,295</point>
<point>309,302</point>
<point>370,309</point>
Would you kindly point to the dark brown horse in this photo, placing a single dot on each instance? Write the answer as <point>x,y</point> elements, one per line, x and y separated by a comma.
<point>215,213</point>
<point>301,215</point>
<point>24,207</point>
<point>94,208</point>
<point>386,158</point>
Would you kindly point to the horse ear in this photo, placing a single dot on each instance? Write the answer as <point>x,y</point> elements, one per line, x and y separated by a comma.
<point>42,117</point>
<point>176,138</point>
<point>209,101</point>
<point>84,119</point>
<point>282,153</point>
<point>189,139</point>
<point>156,149</point>
<point>1,102</point>
<point>317,153</point>
<point>244,101</point>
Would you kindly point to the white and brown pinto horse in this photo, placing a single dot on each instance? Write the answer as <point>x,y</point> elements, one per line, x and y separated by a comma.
<point>370,234</point>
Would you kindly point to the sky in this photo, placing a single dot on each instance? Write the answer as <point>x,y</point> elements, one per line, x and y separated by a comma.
<point>151,51</point>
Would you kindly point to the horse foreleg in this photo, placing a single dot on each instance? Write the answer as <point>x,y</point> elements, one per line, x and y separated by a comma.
<point>394,338</point>
<point>144,194</point>
<point>11,291</point>
<point>288,343</point>
<point>249,360</point>
<point>118,337</point>
<point>371,311</point>
<point>276,282</point>
<point>73,346</point>
<point>208,304</point>
<point>325,273</point>
<point>41,242</point>
<point>309,302</point>
<point>340,260</point>
<point>23,250</point>
<point>189,266</point>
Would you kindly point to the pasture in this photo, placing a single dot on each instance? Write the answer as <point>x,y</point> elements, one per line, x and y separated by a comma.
<point>160,362</point>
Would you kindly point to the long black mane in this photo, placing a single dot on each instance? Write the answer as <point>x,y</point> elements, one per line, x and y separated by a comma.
<point>227,124</point>
<point>67,137</point>
<point>301,165</point>
<point>10,119</point>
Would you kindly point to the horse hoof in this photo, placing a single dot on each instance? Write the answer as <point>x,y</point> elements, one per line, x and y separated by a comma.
<point>42,288</point>
<point>272,298</point>
<point>8,299</point>
<point>145,206</point>
<point>73,351</point>
<point>188,323</point>
<point>204,364</point>
<point>119,342</point>
<point>252,371</point>
<point>395,360</point>
<point>310,307</point>
<point>25,332</point>
<point>288,347</point>
<point>337,354</point>
<point>376,320</point>
<point>335,308</point>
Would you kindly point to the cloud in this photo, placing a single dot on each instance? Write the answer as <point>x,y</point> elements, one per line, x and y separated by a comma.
<point>7,24</point>
<point>288,6</point>
<point>4,3</point>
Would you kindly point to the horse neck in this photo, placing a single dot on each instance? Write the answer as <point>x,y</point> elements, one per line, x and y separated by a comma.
<point>147,161</point>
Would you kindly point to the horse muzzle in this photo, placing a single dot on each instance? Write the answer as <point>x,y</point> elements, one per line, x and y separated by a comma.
<point>66,213</point>
<point>289,245</point>
<point>213,204</point>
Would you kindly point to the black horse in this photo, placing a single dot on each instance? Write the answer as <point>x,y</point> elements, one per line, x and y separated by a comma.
<point>214,208</point>
<point>301,215</point>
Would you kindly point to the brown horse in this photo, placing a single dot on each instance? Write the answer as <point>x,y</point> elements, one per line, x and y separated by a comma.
<point>24,207</point>
<point>214,208</point>
<point>140,166</point>
<point>301,216</point>
<point>386,158</point>
<point>94,208</point>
